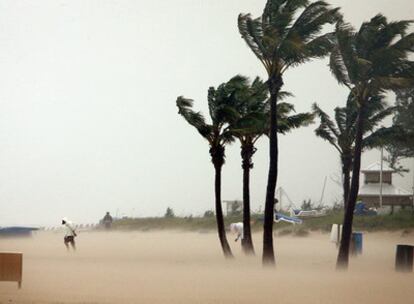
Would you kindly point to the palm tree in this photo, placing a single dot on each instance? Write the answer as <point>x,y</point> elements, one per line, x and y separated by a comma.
<point>221,103</point>
<point>248,128</point>
<point>369,62</point>
<point>284,36</point>
<point>403,145</point>
<point>340,131</point>
<point>253,122</point>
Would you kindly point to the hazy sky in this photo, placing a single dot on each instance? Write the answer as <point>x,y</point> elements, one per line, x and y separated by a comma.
<point>88,121</point>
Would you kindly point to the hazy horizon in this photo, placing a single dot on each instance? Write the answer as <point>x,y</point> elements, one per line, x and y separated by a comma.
<point>88,121</point>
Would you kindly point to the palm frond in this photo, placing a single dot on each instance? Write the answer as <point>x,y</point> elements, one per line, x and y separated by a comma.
<point>196,119</point>
<point>284,94</point>
<point>317,14</point>
<point>381,137</point>
<point>288,33</point>
<point>338,68</point>
<point>320,46</point>
<point>374,120</point>
<point>286,124</point>
<point>326,122</point>
<point>405,44</point>
<point>251,31</point>
<point>341,119</point>
<point>348,61</point>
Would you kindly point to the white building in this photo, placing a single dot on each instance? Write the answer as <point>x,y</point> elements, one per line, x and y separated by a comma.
<point>369,191</point>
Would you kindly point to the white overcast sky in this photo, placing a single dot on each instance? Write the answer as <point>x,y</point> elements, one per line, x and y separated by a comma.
<point>88,121</point>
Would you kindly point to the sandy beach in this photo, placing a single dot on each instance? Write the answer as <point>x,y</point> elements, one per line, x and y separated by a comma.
<point>182,267</point>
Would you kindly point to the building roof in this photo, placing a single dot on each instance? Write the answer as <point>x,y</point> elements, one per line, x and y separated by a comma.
<point>376,167</point>
<point>387,190</point>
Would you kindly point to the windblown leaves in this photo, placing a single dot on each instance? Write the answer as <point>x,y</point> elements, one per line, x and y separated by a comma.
<point>340,131</point>
<point>374,59</point>
<point>288,33</point>
<point>254,117</point>
<point>221,105</point>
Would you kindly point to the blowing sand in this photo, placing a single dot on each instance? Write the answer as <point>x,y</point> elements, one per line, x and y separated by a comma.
<point>174,267</point>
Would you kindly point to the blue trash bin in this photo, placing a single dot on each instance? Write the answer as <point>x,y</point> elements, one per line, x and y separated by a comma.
<point>357,242</point>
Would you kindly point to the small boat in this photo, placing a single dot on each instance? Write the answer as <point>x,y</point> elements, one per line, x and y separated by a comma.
<point>289,219</point>
<point>307,213</point>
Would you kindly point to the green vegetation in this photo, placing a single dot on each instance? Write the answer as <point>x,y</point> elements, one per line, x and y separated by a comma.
<point>403,220</point>
<point>397,221</point>
<point>169,213</point>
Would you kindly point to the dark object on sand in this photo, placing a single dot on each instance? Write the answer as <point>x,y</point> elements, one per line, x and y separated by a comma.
<point>404,258</point>
<point>11,267</point>
<point>356,243</point>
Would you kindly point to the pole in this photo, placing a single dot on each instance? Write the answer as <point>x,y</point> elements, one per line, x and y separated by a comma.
<point>323,191</point>
<point>382,157</point>
<point>280,198</point>
<point>413,185</point>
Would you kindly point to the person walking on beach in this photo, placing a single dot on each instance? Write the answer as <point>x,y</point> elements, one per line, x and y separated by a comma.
<point>70,234</point>
<point>107,221</point>
<point>237,228</point>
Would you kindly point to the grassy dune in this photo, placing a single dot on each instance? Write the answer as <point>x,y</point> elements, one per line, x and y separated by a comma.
<point>402,220</point>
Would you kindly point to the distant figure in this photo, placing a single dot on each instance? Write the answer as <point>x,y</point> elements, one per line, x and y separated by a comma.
<point>237,228</point>
<point>70,234</point>
<point>107,221</point>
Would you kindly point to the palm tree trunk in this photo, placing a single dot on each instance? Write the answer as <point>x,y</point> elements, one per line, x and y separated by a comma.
<point>346,174</point>
<point>218,161</point>
<point>247,243</point>
<point>268,258</point>
<point>343,255</point>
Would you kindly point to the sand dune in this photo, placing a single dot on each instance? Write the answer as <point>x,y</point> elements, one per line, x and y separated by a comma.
<point>174,267</point>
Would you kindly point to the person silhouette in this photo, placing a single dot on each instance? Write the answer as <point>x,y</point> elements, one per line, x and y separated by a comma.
<point>70,234</point>
<point>107,221</point>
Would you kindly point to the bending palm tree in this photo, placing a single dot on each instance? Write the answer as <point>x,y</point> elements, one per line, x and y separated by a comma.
<point>248,128</point>
<point>253,122</point>
<point>281,40</point>
<point>340,132</point>
<point>369,62</point>
<point>221,109</point>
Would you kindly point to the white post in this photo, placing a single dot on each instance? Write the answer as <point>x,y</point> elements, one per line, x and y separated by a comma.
<point>380,197</point>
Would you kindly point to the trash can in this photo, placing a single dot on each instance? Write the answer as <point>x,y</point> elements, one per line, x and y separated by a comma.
<point>404,258</point>
<point>356,243</point>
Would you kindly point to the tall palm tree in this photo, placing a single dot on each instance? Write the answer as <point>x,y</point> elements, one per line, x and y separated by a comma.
<point>284,36</point>
<point>253,122</point>
<point>248,128</point>
<point>221,103</point>
<point>340,131</point>
<point>369,62</point>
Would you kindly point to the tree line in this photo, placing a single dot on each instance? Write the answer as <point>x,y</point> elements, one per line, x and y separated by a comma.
<point>369,62</point>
